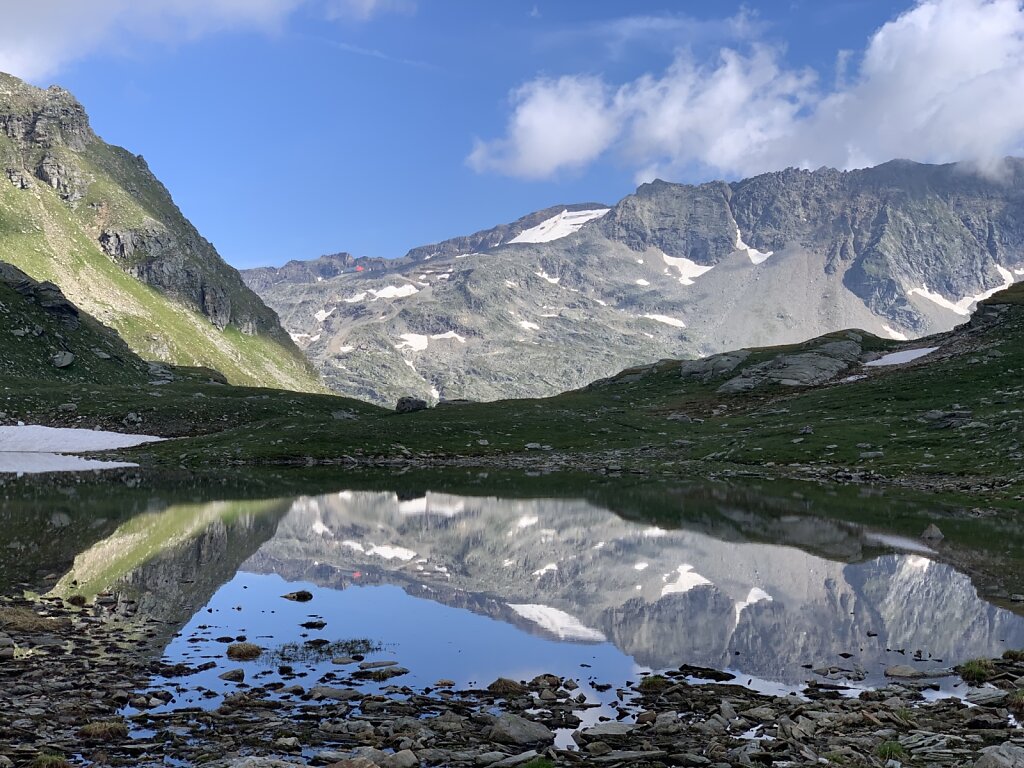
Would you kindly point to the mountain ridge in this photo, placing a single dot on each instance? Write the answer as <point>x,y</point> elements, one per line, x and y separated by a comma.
<point>672,270</point>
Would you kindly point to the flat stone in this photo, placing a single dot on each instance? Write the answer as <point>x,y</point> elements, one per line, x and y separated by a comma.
<point>1006,755</point>
<point>606,730</point>
<point>404,759</point>
<point>336,694</point>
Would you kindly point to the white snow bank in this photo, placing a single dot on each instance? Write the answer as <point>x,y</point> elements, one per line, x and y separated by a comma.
<point>560,623</point>
<point>557,227</point>
<point>756,595</point>
<point>526,325</point>
<point>321,315</point>
<point>546,569</point>
<point>642,282</point>
<point>963,306</point>
<point>31,438</point>
<point>688,270</point>
<point>674,322</point>
<point>755,256</point>
<point>29,449</point>
<point>388,552</point>
<point>897,358</point>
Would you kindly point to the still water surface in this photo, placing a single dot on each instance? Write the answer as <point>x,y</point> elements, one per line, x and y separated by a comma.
<point>470,588</point>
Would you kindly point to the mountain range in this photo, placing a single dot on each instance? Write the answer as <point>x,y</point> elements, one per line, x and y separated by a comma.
<point>574,293</point>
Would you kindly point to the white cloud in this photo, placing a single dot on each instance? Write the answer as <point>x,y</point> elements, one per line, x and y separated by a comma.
<point>941,82</point>
<point>564,123</point>
<point>38,38</point>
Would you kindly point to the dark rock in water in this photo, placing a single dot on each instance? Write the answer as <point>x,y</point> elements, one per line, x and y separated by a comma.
<point>410,404</point>
<point>233,675</point>
<point>301,596</point>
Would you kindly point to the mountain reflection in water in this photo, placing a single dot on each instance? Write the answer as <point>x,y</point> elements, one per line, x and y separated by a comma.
<point>571,571</point>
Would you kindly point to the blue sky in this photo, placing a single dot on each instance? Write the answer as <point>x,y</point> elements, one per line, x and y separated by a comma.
<point>291,128</point>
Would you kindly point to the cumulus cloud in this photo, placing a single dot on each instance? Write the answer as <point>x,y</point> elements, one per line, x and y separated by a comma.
<point>940,82</point>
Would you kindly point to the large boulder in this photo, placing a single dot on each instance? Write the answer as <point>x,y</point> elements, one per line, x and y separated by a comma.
<point>410,405</point>
<point>513,729</point>
<point>712,367</point>
<point>1006,755</point>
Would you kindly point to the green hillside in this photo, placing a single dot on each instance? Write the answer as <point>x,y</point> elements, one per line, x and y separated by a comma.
<point>93,219</point>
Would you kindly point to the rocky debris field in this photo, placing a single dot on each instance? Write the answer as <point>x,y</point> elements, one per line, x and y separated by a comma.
<point>79,685</point>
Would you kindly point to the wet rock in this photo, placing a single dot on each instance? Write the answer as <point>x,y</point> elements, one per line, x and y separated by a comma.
<point>301,596</point>
<point>513,729</point>
<point>335,694</point>
<point>233,675</point>
<point>904,671</point>
<point>505,687</point>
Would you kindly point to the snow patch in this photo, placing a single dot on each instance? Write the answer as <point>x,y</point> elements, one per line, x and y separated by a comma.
<point>755,256</point>
<point>641,566</point>
<point>417,342</point>
<point>564,224</point>
<point>344,350</point>
<point>322,315</point>
<point>560,623</point>
<point>674,322</point>
<point>545,276</point>
<point>388,552</point>
<point>688,270</point>
<point>449,335</point>
<point>686,579</point>
<point>964,305</point>
<point>395,291</point>
<point>756,595</point>
<point>898,358</point>
<point>894,334</point>
<point>29,438</point>
<point>526,325</point>
<point>356,298</point>
<point>545,569</point>
<point>641,281</point>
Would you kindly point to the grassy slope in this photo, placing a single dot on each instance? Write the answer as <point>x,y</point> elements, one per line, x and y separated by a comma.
<point>51,240</point>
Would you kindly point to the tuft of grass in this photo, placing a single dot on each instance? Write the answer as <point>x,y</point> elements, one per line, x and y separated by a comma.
<point>539,762</point>
<point>110,730</point>
<point>889,750</point>
<point>976,670</point>
<point>49,760</point>
<point>1014,655</point>
<point>244,651</point>
<point>1015,701</point>
<point>654,684</point>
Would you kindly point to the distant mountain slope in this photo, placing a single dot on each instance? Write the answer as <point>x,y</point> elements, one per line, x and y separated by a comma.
<point>900,250</point>
<point>93,219</point>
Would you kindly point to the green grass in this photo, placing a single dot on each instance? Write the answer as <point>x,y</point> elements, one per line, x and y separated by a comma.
<point>890,750</point>
<point>976,670</point>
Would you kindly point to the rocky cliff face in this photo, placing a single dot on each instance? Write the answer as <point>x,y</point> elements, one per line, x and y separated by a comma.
<point>558,299</point>
<point>83,214</point>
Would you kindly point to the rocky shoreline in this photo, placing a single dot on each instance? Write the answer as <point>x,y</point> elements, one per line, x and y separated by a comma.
<point>83,684</point>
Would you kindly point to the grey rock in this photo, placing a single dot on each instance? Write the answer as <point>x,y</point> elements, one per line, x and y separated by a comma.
<point>410,405</point>
<point>1006,755</point>
<point>932,533</point>
<point>404,759</point>
<point>513,729</point>
<point>63,359</point>
<point>712,367</point>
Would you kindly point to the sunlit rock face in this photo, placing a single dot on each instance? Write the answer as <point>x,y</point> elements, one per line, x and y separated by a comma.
<point>576,572</point>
